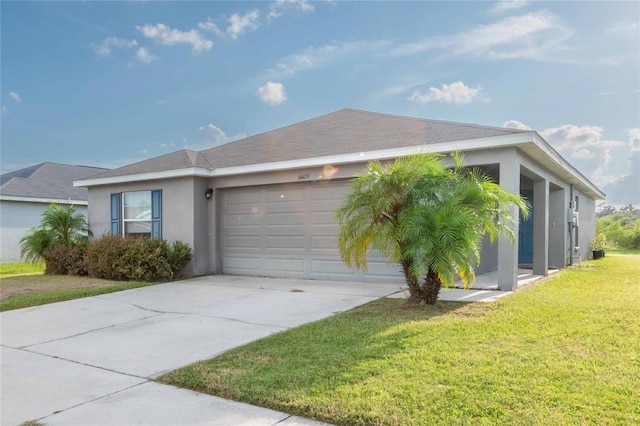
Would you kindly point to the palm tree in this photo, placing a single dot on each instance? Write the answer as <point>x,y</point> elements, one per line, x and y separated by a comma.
<point>435,228</point>
<point>59,225</point>
<point>369,218</point>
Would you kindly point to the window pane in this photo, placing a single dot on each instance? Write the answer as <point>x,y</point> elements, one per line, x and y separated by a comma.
<point>137,228</point>
<point>137,205</point>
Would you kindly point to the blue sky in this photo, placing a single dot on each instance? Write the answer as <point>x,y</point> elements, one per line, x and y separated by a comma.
<point>110,83</point>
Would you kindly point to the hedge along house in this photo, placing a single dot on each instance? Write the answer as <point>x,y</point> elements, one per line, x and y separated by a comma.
<point>264,205</point>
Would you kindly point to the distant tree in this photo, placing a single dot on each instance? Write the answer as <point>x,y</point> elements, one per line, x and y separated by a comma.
<point>60,224</point>
<point>605,210</point>
<point>426,217</point>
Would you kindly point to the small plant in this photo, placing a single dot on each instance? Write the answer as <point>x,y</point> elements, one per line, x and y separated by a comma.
<point>599,243</point>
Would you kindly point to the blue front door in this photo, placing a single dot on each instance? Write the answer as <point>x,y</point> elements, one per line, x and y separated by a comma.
<point>525,239</point>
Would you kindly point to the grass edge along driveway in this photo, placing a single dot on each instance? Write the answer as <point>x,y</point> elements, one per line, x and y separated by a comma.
<point>564,351</point>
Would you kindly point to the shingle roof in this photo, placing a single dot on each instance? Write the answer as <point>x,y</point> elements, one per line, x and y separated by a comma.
<point>183,159</point>
<point>47,180</point>
<point>341,132</point>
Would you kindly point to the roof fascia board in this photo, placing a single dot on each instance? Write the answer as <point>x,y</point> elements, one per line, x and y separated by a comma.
<point>557,158</point>
<point>192,171</point>
<point>43,200</point>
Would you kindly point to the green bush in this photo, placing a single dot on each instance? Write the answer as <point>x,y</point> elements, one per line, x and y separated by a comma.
<point>136,258</point>
<point>103,256</point>
<point>145,259</point>
<point>66,260</point>
<point>179,256</point>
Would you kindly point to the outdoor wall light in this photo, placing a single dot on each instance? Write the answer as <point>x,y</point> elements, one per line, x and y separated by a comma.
<point>208,193</point>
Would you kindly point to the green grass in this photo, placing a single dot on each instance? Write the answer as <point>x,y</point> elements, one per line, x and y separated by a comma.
<point>58,295</point>
<point>20,268</point>
<point>563,351</point>
<point>621,251</point>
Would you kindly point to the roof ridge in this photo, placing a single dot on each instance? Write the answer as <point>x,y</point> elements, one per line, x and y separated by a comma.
<point>457,123</point>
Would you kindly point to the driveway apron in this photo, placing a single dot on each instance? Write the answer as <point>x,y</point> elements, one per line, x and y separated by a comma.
<point>89,361</point>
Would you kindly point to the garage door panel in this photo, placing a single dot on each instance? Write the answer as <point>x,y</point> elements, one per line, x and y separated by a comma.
<point>238,220</point>
<point>285,195</point>
<point>334,267</point>
<point>238,242</point>
<point>284,219</point>
<point>286,242</point>
<point>243,263</point>
<point>242,198</point>
<point>325,243</point>
<point>285,265</point>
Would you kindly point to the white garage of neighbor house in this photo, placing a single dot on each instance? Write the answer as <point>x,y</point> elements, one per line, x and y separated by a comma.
<point>26,193</point>
<point>264,205</point>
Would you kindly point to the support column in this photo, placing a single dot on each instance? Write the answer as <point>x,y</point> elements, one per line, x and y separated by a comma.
<point>541,227</point>
<point>507,250</point>
<point>558,234</point>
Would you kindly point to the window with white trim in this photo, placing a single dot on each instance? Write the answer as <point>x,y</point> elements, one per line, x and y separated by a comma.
<point>137,213</point>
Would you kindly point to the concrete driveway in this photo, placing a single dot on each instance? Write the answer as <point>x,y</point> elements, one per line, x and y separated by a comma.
<point>89,361</point>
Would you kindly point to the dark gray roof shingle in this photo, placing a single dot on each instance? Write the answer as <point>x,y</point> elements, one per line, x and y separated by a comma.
<point>182,159</point>
<point>341,132</point>
<point>47,180</point>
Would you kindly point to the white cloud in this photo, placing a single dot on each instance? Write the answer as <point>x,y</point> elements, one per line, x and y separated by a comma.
<point>634,138</point>
<point>162,34</point>
<point>210,26</point>
<point>624,28</point>
<point>456,92</point>
<point>508,6</point>
<point>598,158</point>
<point>4,108</point>
<point>209,136</point>
<point>532,36</point>
<point>315,57</point>
<point>272,93</point>
<point>16,97</point>
<point>239,24</point>
<point>144,56</point>
<point>104,48</point>
<point>604,93</point>
<point>275,8</point>
<point>514,124</point>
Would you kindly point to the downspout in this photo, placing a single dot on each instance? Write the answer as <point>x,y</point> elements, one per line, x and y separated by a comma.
<point>570,222</point>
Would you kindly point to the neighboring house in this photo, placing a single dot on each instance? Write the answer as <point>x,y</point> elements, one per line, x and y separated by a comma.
<point>26,193</point>
<point>264,205</point>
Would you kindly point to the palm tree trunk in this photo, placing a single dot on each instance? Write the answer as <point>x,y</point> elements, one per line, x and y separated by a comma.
<point>415,292</point>
<point>432,286</point>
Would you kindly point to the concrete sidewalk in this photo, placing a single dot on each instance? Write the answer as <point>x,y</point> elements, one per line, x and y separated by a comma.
<point>88,361</point>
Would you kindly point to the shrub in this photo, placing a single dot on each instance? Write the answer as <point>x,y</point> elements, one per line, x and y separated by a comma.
<point>136,258</point>
<point>103,255</point>
<point>145,259</point>
<point>179,255</point>
<point>66,260</point>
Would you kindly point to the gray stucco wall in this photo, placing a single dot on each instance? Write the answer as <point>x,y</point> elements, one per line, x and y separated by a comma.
<point>190,217</point>
<point>16,218</point>
<point>181,197</point>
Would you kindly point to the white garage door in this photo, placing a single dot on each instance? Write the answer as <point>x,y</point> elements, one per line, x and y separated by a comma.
<point>289,231</point>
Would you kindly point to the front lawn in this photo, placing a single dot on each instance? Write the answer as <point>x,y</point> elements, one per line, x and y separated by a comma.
<point>564,351</point>
<point>21,268</point>
<point>24,291</point>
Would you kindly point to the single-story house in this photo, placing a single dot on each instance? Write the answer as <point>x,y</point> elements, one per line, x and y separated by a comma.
<point>264,205</point>
<point>26,193</point>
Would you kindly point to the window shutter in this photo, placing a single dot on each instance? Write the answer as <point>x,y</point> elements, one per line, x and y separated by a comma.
<point>156,213</point>
<point>115,214</point>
